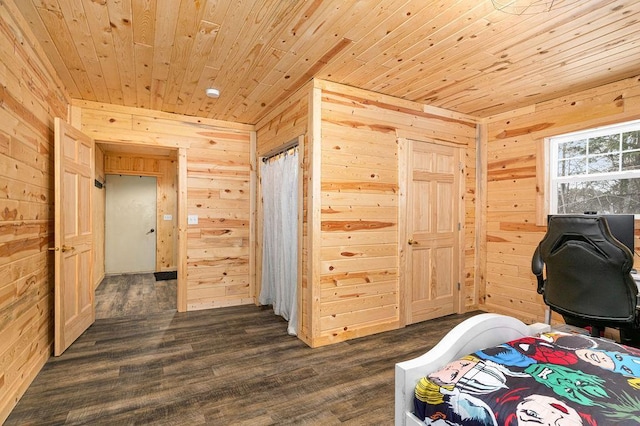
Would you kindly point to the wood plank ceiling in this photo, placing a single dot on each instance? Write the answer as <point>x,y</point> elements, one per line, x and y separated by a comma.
<point>463,55</point>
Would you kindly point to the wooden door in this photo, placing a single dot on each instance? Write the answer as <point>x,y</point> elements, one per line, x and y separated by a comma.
<point>74,177</point>
<point>434,255</point>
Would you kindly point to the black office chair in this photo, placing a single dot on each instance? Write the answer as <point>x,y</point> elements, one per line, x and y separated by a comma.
<point>588,277</point>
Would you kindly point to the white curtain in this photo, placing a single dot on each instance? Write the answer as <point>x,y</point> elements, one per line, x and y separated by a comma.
<point>280,236</point>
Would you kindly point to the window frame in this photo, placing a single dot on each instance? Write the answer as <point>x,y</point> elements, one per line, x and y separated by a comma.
<point>551,161</point>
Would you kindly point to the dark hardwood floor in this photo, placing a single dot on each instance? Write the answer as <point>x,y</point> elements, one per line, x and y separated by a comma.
<point>134,294</point>
<point>224,366</point>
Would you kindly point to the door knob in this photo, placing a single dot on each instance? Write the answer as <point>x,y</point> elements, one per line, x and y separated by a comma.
<point>66,248</point>
<point>412,242</point>
<point>151,231</point>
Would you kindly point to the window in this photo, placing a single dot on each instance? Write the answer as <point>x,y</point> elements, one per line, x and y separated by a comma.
<point>596,170</point>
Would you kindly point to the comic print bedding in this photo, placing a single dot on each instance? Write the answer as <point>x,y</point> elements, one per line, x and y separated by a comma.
<point>554,379</point>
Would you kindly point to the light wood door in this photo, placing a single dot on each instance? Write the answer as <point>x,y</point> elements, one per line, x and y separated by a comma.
<point>433,228</point>
<point>74,177</point>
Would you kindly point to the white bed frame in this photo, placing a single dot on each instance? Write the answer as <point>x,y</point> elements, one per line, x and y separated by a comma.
<point>473,334</point>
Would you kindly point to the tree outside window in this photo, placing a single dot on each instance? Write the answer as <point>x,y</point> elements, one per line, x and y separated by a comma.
<point>597,170</point>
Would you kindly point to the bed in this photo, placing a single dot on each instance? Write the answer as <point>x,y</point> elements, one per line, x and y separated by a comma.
<point>504,371</point>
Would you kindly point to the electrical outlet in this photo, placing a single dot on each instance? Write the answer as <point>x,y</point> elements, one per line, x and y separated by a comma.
<point>192,219</point>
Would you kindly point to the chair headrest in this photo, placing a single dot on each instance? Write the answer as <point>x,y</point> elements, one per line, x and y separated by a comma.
<point>592,230</point>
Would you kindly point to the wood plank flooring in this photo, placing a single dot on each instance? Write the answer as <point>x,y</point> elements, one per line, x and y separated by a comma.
<point>234,365</point>
<point>134,294</point>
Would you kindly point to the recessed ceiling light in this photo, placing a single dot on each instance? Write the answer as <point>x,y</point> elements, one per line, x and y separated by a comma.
<point>212,93</point>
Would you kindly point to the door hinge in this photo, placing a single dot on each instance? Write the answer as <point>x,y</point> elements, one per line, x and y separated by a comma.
<point>459,226</point>
<point>458,286</point>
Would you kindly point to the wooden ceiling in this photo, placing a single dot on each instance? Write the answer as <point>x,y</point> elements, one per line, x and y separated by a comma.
<point>462,55</point>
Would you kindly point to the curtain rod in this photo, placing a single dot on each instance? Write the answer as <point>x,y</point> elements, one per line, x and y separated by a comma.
<point>284,150</point>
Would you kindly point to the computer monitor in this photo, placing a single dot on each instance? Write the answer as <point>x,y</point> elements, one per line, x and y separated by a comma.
<point>622,227</point>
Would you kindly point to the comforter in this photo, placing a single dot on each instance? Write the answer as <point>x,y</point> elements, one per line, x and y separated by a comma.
<point>553,379</point>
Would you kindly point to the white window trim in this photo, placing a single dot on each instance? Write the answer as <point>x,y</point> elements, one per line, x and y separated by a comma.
<point>551,161</point>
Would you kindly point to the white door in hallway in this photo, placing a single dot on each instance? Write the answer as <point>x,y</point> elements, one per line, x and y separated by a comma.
<point>130,224</point>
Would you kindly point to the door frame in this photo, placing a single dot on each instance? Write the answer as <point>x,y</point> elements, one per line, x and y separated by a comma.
<point>181,203</point>
<point>299,142</point>
<point>404,153</point>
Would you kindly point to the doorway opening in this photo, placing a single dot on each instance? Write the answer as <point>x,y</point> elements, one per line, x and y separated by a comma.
<point>137,218</point>
<point>280,235</point>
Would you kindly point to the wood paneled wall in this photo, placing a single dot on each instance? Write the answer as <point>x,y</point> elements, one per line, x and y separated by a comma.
<point>218,186</point>
<point>31,95</point>
<point>357,249</point>
<point>514,213</point>
<point>350,282</point>
<point>165,171</point>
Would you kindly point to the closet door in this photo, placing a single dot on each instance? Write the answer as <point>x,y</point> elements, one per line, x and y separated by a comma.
<point>434,255</point>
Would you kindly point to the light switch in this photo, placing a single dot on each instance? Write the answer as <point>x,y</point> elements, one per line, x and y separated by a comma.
<point>192,219</point>
<point>168,217</point>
